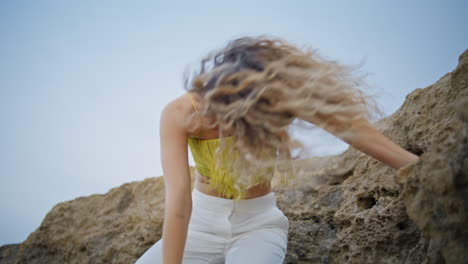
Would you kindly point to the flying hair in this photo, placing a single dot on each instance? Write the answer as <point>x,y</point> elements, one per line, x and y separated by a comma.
<point>257,86</point>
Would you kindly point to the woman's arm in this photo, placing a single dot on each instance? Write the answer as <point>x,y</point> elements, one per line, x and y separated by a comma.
<point>371,141</point>
<point>363,136</point>
<point>178,199</point>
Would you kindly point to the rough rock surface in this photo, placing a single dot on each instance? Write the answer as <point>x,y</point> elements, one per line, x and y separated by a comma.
<point>347,208</point>
<point>435,190</point>
<point>110,228</point>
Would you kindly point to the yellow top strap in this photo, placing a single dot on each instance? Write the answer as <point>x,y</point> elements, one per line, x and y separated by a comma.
<point>191,99</point>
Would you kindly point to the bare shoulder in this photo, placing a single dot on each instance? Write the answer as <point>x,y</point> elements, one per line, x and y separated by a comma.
<point>177,112</point>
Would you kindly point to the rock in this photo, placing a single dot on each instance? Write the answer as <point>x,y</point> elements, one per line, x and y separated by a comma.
<point>435,190</point>
<point>111,228</point>
<point>347,208</point>
<point>8,253</point>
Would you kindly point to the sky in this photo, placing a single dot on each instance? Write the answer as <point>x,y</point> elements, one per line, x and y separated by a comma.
<point>83,83</point>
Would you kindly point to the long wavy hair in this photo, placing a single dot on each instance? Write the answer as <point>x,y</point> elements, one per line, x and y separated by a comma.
<point>257,86</point>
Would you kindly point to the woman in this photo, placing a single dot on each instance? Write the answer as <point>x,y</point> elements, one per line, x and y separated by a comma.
<point>235,119</point>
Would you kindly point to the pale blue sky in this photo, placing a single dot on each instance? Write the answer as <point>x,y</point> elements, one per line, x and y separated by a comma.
<point>82,83</point>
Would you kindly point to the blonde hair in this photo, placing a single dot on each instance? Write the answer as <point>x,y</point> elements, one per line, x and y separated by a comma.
<point>257,86</point>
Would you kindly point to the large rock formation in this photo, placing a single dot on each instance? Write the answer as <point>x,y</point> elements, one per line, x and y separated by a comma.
<point>435,190</point>
<point>111,228</point>
<point>347,208</point>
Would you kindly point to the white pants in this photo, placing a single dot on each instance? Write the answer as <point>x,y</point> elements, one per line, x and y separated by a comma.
<point>234,232</point>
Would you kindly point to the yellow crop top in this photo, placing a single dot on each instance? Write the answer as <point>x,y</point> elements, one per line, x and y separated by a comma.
<point>203,152</point>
